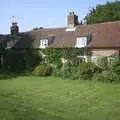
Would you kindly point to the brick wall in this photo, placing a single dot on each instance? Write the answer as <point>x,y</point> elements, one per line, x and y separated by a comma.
<point>105,52</point>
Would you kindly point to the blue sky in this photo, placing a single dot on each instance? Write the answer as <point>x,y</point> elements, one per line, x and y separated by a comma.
<point>41,13</point>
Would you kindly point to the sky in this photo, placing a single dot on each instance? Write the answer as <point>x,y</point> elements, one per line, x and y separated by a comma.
<point>42,13</point>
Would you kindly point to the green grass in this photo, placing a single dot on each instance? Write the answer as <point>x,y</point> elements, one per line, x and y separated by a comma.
<point>49,98</point>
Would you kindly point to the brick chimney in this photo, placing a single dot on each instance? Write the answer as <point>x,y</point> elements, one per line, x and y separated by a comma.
<point>72,19</point>
<point>14,29</point>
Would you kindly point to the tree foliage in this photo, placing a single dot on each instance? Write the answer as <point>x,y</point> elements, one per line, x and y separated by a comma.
<point>104,13</point>
<point>19,61</point>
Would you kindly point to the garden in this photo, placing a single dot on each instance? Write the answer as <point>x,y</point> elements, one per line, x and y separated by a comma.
<point>66,63</point>
<point>53,84</point>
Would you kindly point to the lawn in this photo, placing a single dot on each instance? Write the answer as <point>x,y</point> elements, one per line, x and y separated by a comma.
<point>50,98</point>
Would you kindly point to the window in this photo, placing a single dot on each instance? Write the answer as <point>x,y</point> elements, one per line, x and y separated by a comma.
<point>43,43</point>
<point>81,42</point>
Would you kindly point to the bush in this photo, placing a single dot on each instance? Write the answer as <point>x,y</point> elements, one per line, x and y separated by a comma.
<point>115,66</point>
<point>74,74</point>
<point>85,71</point>
<point>63,72</point>
<point>43,70</point>
<point>106,76</point>
<point>103,63</point>
<point>58,64</point>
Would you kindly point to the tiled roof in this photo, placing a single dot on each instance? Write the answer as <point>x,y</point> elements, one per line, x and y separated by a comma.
<point>103,35</point>
<point>62,38</point>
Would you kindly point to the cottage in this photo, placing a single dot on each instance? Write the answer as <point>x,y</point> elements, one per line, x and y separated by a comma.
<point>101,39</point>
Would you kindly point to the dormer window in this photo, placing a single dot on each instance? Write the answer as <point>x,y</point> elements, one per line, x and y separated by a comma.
<point>43,43</point>
<point>81,42</point>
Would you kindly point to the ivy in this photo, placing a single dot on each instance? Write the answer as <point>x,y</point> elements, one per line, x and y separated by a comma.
<point>54,55</point>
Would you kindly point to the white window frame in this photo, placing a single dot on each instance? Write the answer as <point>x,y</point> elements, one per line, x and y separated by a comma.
<point>81,42</point>
<point>43,43</point>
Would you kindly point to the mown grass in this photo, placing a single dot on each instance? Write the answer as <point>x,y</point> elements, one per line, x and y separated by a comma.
<point>50,98</point>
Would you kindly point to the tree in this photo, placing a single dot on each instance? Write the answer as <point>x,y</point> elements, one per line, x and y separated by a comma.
<point>19,60</point>
<point>104,13</point>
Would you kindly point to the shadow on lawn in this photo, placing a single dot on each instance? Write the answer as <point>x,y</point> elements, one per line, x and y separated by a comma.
<point>6,76</point>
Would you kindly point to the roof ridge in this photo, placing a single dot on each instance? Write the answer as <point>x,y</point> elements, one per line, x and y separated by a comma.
<point>59,28</point>
<point>109,22</point>
<point>55,27</point>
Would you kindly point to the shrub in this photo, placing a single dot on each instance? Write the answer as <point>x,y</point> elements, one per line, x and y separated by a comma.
<point>103,63</point>
<point>115,66</point>
<point>74,74</point>
<point>56,72</point>
<point>85,71</point>
<point>106,76</point>
<point>63,72</point>
<point>43,70</point>
<point>66,72</point>
<point>59,64</point>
